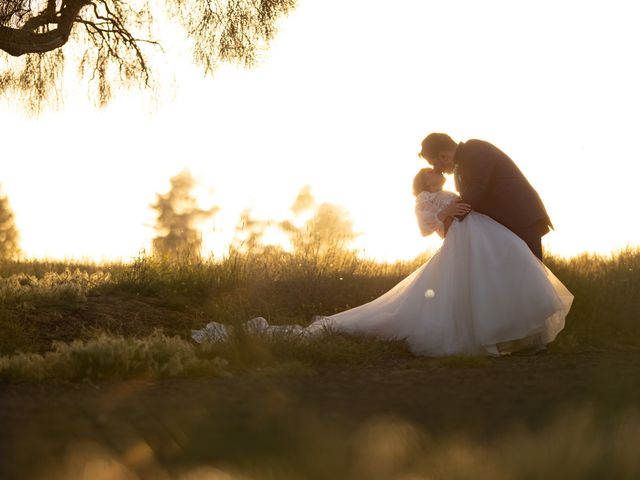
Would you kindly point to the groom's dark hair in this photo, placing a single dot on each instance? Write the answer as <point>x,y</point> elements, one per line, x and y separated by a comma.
<point>434,143</point>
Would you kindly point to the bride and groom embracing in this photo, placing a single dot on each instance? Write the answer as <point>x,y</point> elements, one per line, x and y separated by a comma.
<point>486,290</point>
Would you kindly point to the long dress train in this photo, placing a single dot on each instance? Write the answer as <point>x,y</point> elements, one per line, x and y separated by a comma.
<point>482,292</point>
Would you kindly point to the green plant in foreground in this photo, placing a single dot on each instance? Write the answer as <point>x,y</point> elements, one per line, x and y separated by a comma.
<point>66,286</point>
<point>108,357</point>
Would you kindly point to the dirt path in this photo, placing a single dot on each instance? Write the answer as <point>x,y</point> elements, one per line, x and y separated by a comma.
<point>160,427</point>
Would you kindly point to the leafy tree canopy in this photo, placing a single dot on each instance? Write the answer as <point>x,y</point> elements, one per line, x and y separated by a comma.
<point>111,42</point>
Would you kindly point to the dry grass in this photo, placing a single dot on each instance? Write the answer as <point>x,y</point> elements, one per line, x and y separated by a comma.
<point>241,433</point>
<point>51,287</point>
<point>109,358</point>
<point>606,309</point>
<point>282,287</point>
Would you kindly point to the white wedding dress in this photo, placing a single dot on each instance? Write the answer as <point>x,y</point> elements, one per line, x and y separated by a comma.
<point>482,292</point>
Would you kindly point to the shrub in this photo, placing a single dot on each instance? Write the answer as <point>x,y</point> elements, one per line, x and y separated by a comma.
<point>107,357</point>
<point>52,287</point>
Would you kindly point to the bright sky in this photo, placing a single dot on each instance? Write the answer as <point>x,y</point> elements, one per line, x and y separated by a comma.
<point>341,101</point>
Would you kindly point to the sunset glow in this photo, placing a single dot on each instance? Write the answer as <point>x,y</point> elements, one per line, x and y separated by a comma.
<point>341,102</point>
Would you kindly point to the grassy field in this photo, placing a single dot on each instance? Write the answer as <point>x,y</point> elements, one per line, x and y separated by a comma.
<point>100,379</point>
<point>46,302</point>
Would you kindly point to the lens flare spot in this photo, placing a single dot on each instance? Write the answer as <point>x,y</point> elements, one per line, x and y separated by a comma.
<point>429,293</point>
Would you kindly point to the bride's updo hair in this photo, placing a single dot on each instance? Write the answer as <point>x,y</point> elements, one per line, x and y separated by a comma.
<point>420,180</point>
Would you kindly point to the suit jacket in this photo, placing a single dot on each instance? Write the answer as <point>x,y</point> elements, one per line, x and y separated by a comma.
<point>492,184</point>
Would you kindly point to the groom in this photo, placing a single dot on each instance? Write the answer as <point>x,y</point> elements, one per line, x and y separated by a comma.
<point>492,184</point>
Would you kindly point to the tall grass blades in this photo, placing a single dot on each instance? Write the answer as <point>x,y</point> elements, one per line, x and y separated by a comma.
<point>51,287</point>
<point>285,288</point>
<point>606,309</point>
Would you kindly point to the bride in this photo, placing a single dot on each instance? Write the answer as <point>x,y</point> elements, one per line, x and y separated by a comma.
<point>483,291</point>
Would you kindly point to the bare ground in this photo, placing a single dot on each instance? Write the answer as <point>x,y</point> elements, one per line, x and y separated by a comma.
<point>160,428</point>
<point>35,329</point>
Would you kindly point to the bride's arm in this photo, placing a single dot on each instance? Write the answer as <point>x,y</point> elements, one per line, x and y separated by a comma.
<point>427,216</point>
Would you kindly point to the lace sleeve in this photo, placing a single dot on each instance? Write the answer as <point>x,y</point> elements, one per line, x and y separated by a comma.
<point>427,216</point>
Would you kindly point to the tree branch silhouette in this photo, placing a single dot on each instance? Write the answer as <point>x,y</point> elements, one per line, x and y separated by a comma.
<point>112,36</point>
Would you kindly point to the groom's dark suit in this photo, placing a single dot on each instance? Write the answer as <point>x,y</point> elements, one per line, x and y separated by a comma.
<point>492,184</point>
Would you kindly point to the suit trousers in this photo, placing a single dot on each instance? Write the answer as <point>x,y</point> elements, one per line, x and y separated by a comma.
<point>532,236</point>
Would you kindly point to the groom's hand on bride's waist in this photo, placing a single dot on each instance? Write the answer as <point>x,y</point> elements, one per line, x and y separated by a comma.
<point>457,209</point>
<point>463,212</point>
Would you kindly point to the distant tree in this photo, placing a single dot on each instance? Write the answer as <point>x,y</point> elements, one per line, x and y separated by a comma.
<point>9,237</point>
<point>330,228</point>
<point>318,229</point>
<point>178,216</point>
<point>304,202</point>
<point>111,41</point>
<point>249,233</point>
